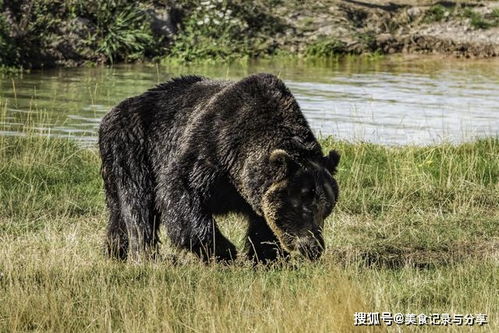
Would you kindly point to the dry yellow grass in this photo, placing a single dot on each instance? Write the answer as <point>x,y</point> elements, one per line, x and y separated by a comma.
<point>416,231</point>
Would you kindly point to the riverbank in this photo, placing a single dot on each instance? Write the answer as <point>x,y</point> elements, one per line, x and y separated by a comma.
<point>41,34</point>
<point>457,28</point>
<point>415,231</point>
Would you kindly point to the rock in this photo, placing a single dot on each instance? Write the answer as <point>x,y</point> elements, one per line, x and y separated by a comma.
<point>414,12</point>
<point>326,30</point>
<point>384,38</point>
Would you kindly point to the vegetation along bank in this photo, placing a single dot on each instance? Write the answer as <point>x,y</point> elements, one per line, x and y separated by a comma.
<point>42,33</point>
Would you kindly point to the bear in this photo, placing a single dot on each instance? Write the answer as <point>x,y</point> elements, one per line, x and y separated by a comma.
<point>192,148</point>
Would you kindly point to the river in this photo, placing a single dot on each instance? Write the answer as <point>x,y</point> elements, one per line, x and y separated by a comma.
<point>391,101</point>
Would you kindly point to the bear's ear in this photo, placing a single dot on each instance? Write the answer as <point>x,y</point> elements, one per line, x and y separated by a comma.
<point>281,158</point>
<point>331,161</point>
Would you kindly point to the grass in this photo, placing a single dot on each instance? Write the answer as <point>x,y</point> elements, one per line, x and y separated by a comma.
<point>325,47</point>
<point>436,13</point>
<point>415,231</point>
<point>479,21</point>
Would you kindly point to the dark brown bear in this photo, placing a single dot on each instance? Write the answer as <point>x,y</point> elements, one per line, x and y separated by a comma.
<point>193,147</point>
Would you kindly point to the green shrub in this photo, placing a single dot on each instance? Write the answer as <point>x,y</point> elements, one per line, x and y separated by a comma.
<point>114,30</point>
<point>30,30</point>
<point>494,16</point>
<point>325,48</point>
<point>122,29</point>
<point>476,20</point>
<point>128,37</point>
<point>217,29</point>
<point>435,14</point>
<point>7,50</point>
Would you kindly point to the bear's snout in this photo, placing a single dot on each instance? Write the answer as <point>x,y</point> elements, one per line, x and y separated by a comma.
<point>311,247</point>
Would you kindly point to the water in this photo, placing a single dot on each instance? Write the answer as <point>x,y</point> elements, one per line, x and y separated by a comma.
<point>393,101</point>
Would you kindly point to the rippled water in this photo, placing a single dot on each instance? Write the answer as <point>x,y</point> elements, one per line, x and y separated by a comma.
<point>389,101</point>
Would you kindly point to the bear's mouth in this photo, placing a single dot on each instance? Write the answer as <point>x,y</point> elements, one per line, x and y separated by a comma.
<point>310,245</point>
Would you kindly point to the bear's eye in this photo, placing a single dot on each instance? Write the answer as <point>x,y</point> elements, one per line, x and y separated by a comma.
<point>307,193</point>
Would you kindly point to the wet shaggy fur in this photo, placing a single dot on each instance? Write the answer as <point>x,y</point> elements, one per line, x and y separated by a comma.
<point>192,148</point>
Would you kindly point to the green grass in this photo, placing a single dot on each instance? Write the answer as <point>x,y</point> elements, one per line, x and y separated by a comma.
<point>325,47</point>
<point>436,13</point>
<point>479,21</point>
<point>415,231</point>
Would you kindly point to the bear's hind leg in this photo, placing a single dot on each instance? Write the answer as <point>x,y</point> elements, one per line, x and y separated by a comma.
<point>117,237</point>
<point>140,218</point>
<point>134,223</point>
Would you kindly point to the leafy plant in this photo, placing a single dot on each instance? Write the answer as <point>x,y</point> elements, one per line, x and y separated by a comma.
<point>98,30</point>
<point>122,30</point>
<point>128,37</point>
<point>220,29</point>
<point>477,21</point>
<point>325,48</point>
<point>7,51</point>
<point>436,14</point>
<point>29,31</point>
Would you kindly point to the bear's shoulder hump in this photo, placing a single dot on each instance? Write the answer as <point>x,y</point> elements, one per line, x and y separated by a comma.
<point>180,82</point>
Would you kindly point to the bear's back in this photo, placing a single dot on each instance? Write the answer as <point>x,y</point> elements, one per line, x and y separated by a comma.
<point>176,99</point>
<point>164,107</point>
<point>193,113</point>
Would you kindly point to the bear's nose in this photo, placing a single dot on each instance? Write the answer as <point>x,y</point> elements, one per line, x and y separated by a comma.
<point>311,252</point>
<point>311,247</point>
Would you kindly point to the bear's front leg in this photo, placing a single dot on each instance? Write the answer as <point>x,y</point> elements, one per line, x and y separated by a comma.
<point>213,245</point>
<point>190,226</point>
<point>205,240</point>
<point>262,246</point>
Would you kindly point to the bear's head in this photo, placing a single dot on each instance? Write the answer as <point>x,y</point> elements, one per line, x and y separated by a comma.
<point>296,205</point>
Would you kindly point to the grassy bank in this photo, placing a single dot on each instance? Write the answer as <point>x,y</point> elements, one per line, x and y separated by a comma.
<point>416,231</point>
<point>42,34</point>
